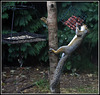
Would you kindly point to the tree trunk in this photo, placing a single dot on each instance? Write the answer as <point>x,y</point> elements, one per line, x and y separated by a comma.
<point>53,40</point>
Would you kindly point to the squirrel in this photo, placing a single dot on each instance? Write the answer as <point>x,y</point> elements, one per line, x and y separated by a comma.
<point>44,19</point>
<point>75,42</point>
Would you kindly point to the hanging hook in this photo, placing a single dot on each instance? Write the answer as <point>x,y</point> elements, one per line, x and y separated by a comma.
<point>12,21</point>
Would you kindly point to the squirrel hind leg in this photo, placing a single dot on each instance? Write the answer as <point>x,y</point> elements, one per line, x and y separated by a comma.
<point>55,51</point>
<point>59,50</point>
<point>52,50</point>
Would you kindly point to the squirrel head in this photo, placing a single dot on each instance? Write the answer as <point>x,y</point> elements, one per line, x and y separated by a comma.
<point>84,28</point>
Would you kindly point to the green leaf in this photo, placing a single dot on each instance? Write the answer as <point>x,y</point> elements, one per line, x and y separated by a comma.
<point>68,65</point>
<point>10,50</point>
<point>79,58</point>
<point>5,16</point>
<point>23,48</point>
<point>64,5</point>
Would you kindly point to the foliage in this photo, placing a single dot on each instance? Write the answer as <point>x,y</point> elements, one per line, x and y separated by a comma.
<point>29,20</point>
<point>24,20</point>
<point>43,84</point>
<point>81,89</point>
<point>81,59</point>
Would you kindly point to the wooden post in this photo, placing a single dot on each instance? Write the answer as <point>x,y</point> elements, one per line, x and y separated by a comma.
<point>53,40</point>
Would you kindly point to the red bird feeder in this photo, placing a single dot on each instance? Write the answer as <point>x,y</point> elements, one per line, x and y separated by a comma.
<point>71,22</point>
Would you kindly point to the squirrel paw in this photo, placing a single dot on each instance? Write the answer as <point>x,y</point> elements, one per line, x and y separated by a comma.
<point>76,24</point>
<point>50,49</point>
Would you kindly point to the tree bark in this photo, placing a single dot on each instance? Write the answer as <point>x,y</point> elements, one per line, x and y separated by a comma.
<point>53,40</point>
